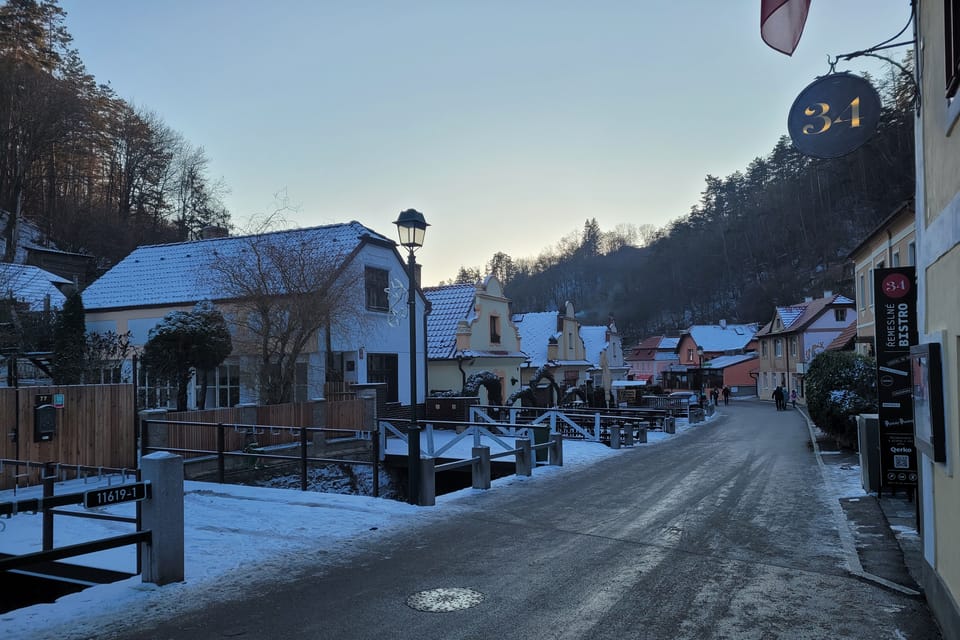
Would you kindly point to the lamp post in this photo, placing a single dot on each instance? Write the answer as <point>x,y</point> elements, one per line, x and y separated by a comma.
<point>412,227</point>
<point>700,392</point>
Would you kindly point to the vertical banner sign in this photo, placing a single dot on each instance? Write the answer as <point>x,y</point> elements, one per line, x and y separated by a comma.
<point>895,318</point>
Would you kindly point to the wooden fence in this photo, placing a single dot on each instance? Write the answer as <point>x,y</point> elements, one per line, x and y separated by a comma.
<point>95,427</point>
<point>261,426</point>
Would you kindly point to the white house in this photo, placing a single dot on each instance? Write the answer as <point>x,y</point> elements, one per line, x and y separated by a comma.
<point>373,346</point>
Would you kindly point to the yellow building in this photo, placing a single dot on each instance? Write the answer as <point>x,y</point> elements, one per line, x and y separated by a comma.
<point>938,271</point>
<point>470,333</point>
<point>891,244</point>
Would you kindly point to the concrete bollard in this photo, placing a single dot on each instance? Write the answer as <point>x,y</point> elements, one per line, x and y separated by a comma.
<point>481,468</point>
<point>556,450</point>
<point>615,436</point>
<point>670,425</point>
<point>628,435</point>
<point>162,515</point>
<point>642,434</point>
<point>524,458</point>
<point>428,483</point>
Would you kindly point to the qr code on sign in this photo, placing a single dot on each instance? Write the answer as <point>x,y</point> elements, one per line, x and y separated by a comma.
<point>901,462</point>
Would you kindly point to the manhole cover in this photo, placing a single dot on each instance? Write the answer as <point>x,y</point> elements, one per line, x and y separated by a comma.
<point>439,600</point>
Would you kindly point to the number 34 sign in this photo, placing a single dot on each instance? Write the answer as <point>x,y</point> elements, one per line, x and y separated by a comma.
<point>833,115</point>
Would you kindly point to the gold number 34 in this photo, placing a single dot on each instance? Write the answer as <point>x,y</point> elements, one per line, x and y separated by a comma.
<point>820,111</point>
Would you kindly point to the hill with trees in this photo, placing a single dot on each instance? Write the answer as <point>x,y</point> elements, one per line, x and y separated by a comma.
<point>770,234</point>
<point>95,173</point>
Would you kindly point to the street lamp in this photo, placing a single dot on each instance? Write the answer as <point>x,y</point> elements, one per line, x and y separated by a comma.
<point>412,227</point>
<point>700,393</point>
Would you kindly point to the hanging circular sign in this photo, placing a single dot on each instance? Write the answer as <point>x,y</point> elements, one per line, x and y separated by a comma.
<point>833,115</point>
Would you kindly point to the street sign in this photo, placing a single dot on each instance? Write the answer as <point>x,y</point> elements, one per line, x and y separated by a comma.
<point>833,115</point>
<point>115,495</point>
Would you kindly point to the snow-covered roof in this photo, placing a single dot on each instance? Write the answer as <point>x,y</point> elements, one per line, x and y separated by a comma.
<point>181,273</point>
<point>722,362</point>
<point>594,341</point>
<point>31,285</point>
<point>449,305</point>
<point>536,329</point>
<point>716,337</point>
<point>796,316</point>
<point>669,343</point>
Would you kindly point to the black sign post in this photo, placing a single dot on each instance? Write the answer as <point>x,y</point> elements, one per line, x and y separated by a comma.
<point>895,319</point>
<point>833,115</point>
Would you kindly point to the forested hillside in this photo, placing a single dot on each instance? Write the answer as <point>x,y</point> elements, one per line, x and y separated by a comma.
<point>95,173</point>
<point>776,231</point>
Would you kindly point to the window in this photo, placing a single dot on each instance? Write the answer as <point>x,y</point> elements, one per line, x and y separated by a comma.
<point>223,386</point>
<point>778,348</point>
<point>689,355</point>
<point>376,282</point>
<point>494,330</point>
<point>912,254</point>
<point>896,259</point>
<point>863,291</point>
<point>153,393</point>
<point>763,349</point>
<point>793,344</point>
<point>951,46</point>
<point>300,379</point>
<point>840,315</point>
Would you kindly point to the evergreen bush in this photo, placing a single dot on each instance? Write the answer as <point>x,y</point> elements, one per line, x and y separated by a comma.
<point>840,385</point>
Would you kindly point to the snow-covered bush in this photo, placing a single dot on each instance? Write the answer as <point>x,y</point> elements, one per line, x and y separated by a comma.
<point>840,385</point>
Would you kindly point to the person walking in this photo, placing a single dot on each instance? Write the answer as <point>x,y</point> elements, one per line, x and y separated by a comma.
<point>726,395</point>
<point>778,398</point>
<point>793,398</point>
<point>715,395</point>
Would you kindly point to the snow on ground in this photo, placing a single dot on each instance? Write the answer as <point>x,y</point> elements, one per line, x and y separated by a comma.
<point>238,536</point>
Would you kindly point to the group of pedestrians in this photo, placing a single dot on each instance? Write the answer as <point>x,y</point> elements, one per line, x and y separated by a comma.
<point>780,398</point>
<point>715,394</point>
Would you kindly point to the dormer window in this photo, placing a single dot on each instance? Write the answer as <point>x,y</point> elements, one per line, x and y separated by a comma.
<point>840,315</point>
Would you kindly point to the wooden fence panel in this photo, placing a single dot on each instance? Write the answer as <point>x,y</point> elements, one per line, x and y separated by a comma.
<point>95,427</point>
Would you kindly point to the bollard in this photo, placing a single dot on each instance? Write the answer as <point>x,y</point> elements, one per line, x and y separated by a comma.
<point>524,458</point>
<point>670,425</point>
<point>481,468</point>
<point>615,436</point>
<point>556,450</point>
<point>428,483</point>
<point>163,517</point>
<point>642,434</point>
<point>628,435</point>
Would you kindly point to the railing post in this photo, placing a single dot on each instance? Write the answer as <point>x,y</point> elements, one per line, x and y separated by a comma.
<point>481,468</point>
<point>614,436</point>
<point>221,464</point>
<point>375,441</point>
<point>524,458</point>
<point>163,517</point>
<point>303,458</point>
<point>48,480</point>
<point>428,482</point>
<point>556,450</point>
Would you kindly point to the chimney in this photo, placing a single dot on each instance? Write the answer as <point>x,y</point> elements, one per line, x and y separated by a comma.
<point>828,294</point>
<point>808,299</point>
<point>723,324</point>
<point>213,231</point>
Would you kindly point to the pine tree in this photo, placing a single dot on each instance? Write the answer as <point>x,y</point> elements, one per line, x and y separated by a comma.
<point>69,341</point>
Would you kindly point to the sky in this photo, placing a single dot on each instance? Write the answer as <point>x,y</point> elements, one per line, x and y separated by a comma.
<point>507,123</point>
<point>231,517</point>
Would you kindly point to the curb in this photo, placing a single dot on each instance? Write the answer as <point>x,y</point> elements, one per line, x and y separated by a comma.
<point>854,567</point>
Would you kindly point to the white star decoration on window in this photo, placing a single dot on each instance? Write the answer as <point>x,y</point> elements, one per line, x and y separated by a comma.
<point>397,296</point>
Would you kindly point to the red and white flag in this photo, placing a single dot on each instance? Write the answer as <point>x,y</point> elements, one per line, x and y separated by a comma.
<point>781,23</point>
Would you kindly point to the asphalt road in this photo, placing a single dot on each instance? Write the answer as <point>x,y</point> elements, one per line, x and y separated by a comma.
<point>721,532</point>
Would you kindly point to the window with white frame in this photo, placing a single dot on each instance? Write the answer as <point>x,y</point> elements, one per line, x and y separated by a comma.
<point>863,291</point>
<point>153,393</point>
<point>223,386</point>
<point>840,315</point>
<point>793,344</point>
<point>895,261</point>
<point>912,254</point>
<point>778,348</point>
<point>375,283</point>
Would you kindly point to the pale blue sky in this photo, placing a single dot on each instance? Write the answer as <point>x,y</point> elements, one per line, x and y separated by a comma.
<point>507,123</point>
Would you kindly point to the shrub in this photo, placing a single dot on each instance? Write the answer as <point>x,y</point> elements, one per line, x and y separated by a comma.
<point>840,385</point>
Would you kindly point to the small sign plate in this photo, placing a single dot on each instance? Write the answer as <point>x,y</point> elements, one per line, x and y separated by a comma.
<point>834,115</point>
<point>115,495</point>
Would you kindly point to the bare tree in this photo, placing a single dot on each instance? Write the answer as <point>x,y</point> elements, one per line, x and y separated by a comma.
<point>285,288</point>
